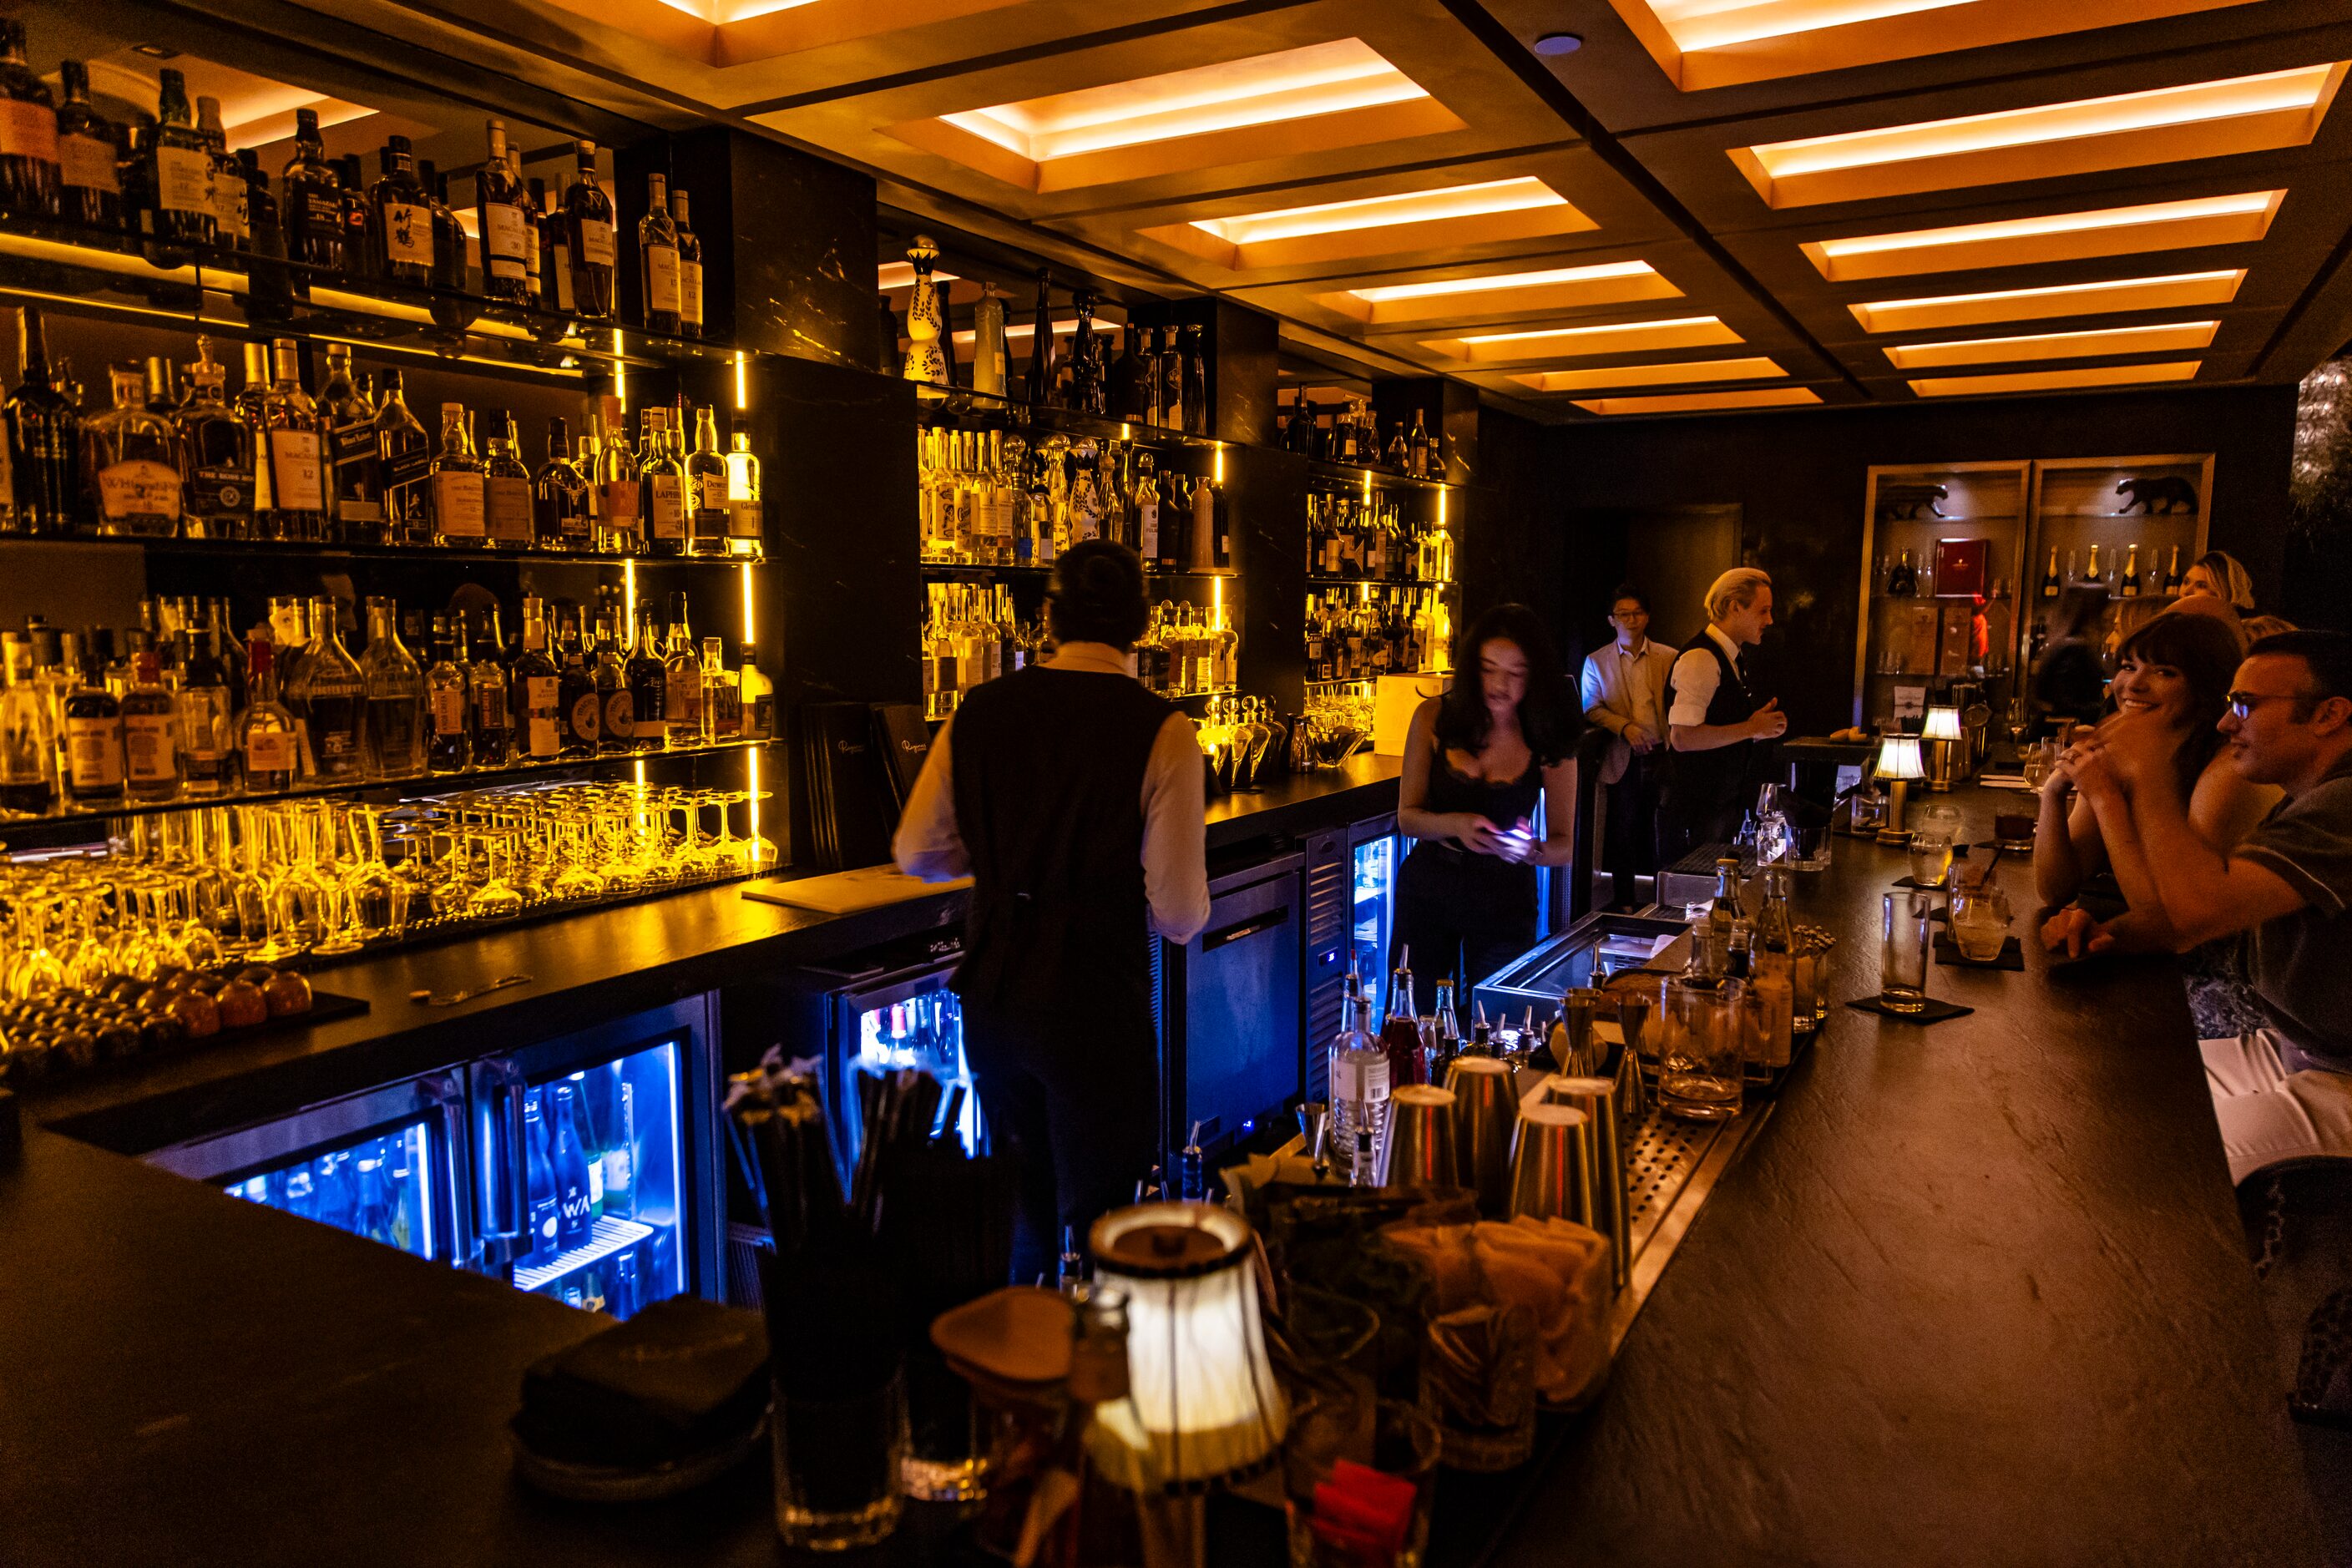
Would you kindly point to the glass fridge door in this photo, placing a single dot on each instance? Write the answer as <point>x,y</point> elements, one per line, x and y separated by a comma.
<point>912,1023</point>
<point>1370,917</point>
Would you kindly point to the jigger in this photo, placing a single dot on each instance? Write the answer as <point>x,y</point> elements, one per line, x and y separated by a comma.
<point>1580,1008</point>
<point>1485,1108</point>
<point>1552,1166</point>
<point>1314,1124</point>
<point>1597,1098</point>
<point>1420,1147</point>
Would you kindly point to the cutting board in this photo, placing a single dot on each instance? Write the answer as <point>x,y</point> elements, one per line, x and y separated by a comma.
<point>846,892</point>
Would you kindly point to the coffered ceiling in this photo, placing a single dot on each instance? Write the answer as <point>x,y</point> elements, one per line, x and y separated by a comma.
<point>1587,208</point>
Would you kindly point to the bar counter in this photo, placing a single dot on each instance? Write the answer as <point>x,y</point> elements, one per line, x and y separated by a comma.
<point>1975,1293</point>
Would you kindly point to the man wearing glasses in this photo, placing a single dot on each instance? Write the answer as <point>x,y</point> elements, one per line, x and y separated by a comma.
<point>1624,691</point>
<point>2282,1093</point>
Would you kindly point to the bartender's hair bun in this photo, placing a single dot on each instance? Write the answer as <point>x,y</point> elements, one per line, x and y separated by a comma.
<point>1097,594</point>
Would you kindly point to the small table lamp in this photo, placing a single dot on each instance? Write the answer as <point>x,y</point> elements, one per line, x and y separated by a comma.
<point>1898,763</point>
<point>1941,732</point>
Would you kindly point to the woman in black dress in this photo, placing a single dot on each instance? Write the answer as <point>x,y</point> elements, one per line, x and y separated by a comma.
<point>1476,761</point>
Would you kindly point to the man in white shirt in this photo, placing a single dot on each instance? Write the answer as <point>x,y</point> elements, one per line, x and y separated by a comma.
<point>1624,687</point>
<point>1716,722</point>
<point>1072,797</point>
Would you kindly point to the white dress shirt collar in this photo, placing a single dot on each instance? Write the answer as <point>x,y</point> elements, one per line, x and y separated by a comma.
<point>1091,658</point>
<point>1725,641</point>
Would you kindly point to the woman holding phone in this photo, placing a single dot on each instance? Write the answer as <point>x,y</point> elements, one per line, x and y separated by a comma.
<point>1476,761</point>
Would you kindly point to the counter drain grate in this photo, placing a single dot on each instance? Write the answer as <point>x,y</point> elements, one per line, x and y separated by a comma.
<point>1661,1156</point>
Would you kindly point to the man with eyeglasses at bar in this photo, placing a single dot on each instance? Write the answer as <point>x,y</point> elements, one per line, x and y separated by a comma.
<point>2282,1093</point>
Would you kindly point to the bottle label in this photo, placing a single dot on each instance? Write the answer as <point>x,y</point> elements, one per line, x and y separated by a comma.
<point>448,711</point>
<point>407,233</point>
<point>229,202</point>
<point>531,248</point>
<point>507,500</point>
<point>621,502</point>
<point>682,710</point>
<point>666,492</point>
<point>457,504</point>
<point>539,696</point>
<point>407,466</point>
<point>353,446</point>
<point>87,162</point>
<point>661,279</point>
<point>490,705</point>
<point>745,519</point>
<point>710,506</point>
<point>183,180</point>
<point>502,240</point>
<point>587,717</point>
<point>596,242</point>
<point>204,724</point>
<point>689,292</point>
<point>620,714</point>
<point>147,751</point>
<point>294,473</point>
<point>139,490</point>
<point>559,269</point>
<point>94,753</point>
<point>269,751</point>
<point>28,130</point>
<point>337,744</point>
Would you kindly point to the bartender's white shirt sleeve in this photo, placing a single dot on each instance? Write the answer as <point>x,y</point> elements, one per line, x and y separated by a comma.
<point>1176,833</point>
<point>1695,677</point>
<point>926,844</point>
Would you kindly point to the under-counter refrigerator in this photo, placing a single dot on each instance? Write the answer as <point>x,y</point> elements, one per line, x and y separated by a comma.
<point>583,1168</point>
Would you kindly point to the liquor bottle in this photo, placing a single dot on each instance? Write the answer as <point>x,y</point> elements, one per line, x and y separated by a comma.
<point>722,694</point>
<point>988,365</point>
<point>620,486</point>
<point>403,465</point>
<point>2130,582</point>
<point>178,175</point>
<point>130,464</point>
<point>657,259</point>
<point>2050,584</point>
<point>350,197</point>
<point>2091,567</point>
<point>1360,1092</point>
<point>267,747</point>
<point>44,436</point>
<point>757,697</point>
<point>1088,392</point>
<point>351,423</point>
<point>400,223</point>
<point>311,200</point>
<point>575,1219</point>
<point>151,760</point>
<point>2172,576</point>
<point>460,508</point>
<point>1175,412</point>
<point>329,697</point>
<point>542,1202</point>
<point>1122,381</point>
<point>689,269</point>
<point>92,734</point>
<point>507,509</point>
<point>89,185</point>
<point>554,250</point>
<point>681,682</point>
<point>269,280</point>
<point>536,684</point>
<point>29,132</point>
<point>28,745</point>
<point>205,712</point>
<point>529,199</point>
<point>499,213</point>
<point>663,501</point>
<point>1903,582</point>
<point>705,487</point>
<point>588,232</point>
<point>1039,389</point>
<point>217,449</point>
<point>580,712</point>
<point>1144,506</point>
<point>1417,449</point>
<point>562,499</point>
<point>449,691</point>
<point>618,724</point>
<point>398,717</point>
<point>295,507</point>
<point>494,715</point>
<point>648,686</point>
<point>746,517</point>
<point>448,250</point>
<point>232,204</point>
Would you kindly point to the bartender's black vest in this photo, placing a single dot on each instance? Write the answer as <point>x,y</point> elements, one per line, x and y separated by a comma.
<point>1049,775</point>
<point>1708,783</point>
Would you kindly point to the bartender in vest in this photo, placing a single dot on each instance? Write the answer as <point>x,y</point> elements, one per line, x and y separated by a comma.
<point>1716,724</point>
<point>1073,799</point>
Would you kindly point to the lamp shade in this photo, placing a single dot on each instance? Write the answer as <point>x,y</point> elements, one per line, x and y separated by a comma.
<point>1203,1406</point>
<point>1942,724</point>
<point>1898,758</point>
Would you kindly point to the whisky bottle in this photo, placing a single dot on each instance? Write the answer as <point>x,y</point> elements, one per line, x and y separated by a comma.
<point>91,733</point>
<point>689,269</point>
<point>618,711</point>
<point>1903,582</point>
<point>722,697</point>
<point>404,455</point>
<point>1174,412</point>
<point>269,747</point>
<point>150,757</point>
<point>681,682</point>
<point>178,175</point>
<point>498,211</point>
<point>328,697</point>
<point>2050,584</point>
<point>459,508</point>
<point>494,716</point>
<point>657,261</point>
<point>588,233</point>
<point>89,185</point>
<point>554,250</point>
<point>130,464</point>
<point>44,436</point>
<point>2128,584</point>
<point>758,695</point>
<point>204,708</point>
<point>580,707</point>
<point>562,500</point>
<point>746,512</point>
<point>310,199</point>
<point>529,199</point>
<point>29,132</point>
<point>988,365</point>
<point>399,717</point>
<point>506,485</point>
<point>706,485</point>
<point>351,422</point>
<point>399,223</point>
<point>620,484</point>
<point>291,448</point>
<point>664,495</point>
<point>448,693</point>
<point>448,250</point>
<point>232,211</point>
<point>351,200</point>
<point>269,280</point>
<point>1417,448</point>
<point>648,681</point>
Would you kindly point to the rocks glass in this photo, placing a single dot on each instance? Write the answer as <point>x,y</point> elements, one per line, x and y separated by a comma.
<point>1700,1030</point>
<point>1980,924</point>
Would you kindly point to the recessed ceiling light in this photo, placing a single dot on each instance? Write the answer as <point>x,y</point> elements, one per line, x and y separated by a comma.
<point>155,51</point>
<point>2202,120</point>
<point>1460,300</point>
<point>2054,345</point>
<point>2054,379</point>
<point>2056,237</point>
<point>1436,206</point>
<point>2168,292</point>
<point>1699,402</point>
<point>1672,374</point>
<point>1500,281</point>
<point>1554,44</point>
<point>1564,342</point>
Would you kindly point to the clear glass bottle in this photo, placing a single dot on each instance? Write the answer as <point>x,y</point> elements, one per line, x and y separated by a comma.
<point>759,696</point>
<point>130,464</point>
<point>620,484</point>
<point>689,269</point>
<point>506,484</point>
<point>289,438</point>
<point>503,223</point>
<point>399,721</point>
<point>588,226</point>
<point>350,417</point>
<point>562,500</point>
<point>460,510</point>
<point>1360,1093</point>
<point>90,181</point>
<point>657,259</point>
<point>494,727</point>
<point>28,745</point>
<point>29,133</point>
<point>665,493</point>
<point>648,685</point>
<point>618,720</point>
<point>746,517</point>
<point>722,695</point>
<point>682,681</point>
<point>536,684</point>
<point>151,760</point>
<point>449,692</point>
<point>175,215</point>
<point>707,482</point>
<point>330,695</point>
<point>204,703</point>
<point>404,457</point>
<point>268,744</point>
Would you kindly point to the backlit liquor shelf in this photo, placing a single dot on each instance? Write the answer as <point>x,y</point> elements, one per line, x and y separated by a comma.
<point>246,549</point>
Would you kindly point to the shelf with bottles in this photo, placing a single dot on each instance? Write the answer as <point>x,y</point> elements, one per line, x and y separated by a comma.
<point>1354,538</point>
<point>177,462</point>
<point>975,632</point>
<point>1356,476</point>
<point>1345,446</point>
<point>1941,567</point>
<point>1362,631</point>
<point>960,571</point>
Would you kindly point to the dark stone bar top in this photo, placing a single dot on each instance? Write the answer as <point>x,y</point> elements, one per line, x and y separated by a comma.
<point>1975,1294</point>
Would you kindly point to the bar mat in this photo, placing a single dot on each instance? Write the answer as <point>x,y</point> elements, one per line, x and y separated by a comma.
<point>1947,952</point>
<point>1936,1010</point>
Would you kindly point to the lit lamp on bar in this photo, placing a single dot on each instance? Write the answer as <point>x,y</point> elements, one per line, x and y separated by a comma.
<point>1898,763</point>
<point>1941,735</point>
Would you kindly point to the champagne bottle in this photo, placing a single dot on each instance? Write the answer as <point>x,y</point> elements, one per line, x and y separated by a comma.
<point>2050,578</point>
<point>2130,583</point>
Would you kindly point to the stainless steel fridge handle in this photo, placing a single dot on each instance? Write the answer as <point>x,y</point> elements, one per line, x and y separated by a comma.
<point>503,1204</point>
<point>447,1093</point>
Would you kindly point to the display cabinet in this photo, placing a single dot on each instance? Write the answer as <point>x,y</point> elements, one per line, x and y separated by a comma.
<point>2128,528</point>
<point>1943,550</point>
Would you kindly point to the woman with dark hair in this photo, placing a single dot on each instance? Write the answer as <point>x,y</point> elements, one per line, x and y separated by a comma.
<point>1477,761</point>
<point>2174,672</point>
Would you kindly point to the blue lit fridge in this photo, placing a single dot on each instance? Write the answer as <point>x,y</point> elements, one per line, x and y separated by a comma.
<point>1375,854</point>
